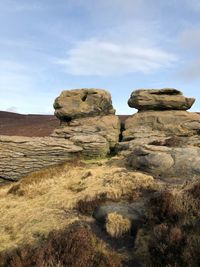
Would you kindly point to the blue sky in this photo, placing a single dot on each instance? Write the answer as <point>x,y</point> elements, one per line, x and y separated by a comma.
<point>47,46</point>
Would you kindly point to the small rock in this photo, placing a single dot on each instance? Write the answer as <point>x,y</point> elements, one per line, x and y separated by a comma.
<point>135,212</point>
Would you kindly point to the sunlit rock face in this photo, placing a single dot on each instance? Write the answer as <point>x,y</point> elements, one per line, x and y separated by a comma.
<point>160,99</point>
<point>81,103</point>
<point>88,120</point>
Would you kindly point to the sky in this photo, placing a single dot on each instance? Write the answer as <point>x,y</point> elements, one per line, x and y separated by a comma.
<point>47,46</point>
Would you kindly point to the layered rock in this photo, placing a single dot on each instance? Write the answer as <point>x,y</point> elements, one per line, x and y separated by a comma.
<point>162,139</point>
<point>167,162</point>
<point>88,128</point>
<point>160,99</point>
<point>88,120</point>
<point>97,135</point>
<point>147,127</point>
<point>22,155</point>
<point>81,103</point>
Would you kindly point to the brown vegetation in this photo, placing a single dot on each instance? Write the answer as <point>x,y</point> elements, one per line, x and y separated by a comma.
<point>54,197</point>
<point>172,235</point>
<point>75,246</point>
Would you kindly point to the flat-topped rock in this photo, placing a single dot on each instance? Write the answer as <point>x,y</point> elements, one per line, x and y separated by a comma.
<point>79,103</point>
<point>160,99</point>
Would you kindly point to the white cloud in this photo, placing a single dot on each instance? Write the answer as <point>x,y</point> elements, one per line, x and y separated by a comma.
<point>94,57</point>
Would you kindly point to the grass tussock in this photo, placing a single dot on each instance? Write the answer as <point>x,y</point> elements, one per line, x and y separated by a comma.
<point>75,246</point>
<point>52,198</point>
<point>117,225</point>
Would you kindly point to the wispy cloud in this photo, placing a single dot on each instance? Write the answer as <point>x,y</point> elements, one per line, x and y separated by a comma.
<point>95,57</point>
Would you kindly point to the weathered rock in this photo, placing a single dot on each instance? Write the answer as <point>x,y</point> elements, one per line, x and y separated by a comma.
<point>151,126</point>
<point>22,155</point>
<point>161,99</point>
<point>79,103</point>
<point>135,212</point>
<point>96,135</point>
<point>93,145</point>
<point>167,163</point>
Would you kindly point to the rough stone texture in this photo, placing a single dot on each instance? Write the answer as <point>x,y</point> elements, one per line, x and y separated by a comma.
<point>93,145</point>
<point>79,103</point>
<point>22,155</point>
<point>96,135</point>
<point>167,163</point>
<point>135,212</point>
<point>147,127</point>
<point>161,99</point>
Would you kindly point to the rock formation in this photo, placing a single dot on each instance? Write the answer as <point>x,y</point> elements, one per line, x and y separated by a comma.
<point>161,99</point>
<point>88,128</point>
<point>88,120</point>
<point>81,103</point>
<point>162,135</point>
<point>167,162</point>
<point>22,155</point>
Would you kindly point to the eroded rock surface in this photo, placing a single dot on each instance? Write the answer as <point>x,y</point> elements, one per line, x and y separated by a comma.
<point>161,99</point>
<point>147,127</point>
<point>88,120</point>
<point>96,135</point>
<point>162,139</point>
<point>79,103</point>
<point>22,155</point>
<point>165,162</point>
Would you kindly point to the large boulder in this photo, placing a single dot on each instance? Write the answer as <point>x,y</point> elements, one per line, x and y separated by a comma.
<point>151,126</point>
<point>79,103</point>
<point>96,135</point>
<point>160,99</point>
<point>105,126</point>
<point>23,155</point>
<point>166,162</point>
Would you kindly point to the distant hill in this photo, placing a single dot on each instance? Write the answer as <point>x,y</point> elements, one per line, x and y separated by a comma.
<point>31,124</point>
<point>27,125</point>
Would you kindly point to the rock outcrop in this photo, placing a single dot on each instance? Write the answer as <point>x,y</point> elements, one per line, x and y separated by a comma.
<point>81,103</point>
<point>88,120</point>
<point>162,139</point>
<point>88,128</point>
<point>22,155</point>
<point>167,162</point>
<point>97,135</point>
<point>161,99</point>
<point>150,126</point>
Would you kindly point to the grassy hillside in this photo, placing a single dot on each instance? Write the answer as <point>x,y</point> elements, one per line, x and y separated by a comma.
<point>46,219</point>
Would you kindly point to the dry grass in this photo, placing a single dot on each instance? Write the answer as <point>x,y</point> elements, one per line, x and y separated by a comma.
<point>117,225</point>
<point>46,200</point>
<point>74,246</point>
